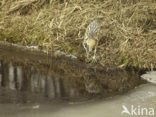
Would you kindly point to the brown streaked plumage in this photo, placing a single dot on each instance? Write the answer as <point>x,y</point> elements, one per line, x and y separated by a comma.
<point>91,40</point>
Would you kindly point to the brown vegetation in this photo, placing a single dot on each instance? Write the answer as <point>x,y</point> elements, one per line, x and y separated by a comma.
<point>127,35</point>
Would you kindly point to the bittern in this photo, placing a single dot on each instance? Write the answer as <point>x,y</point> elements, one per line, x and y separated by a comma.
<point>91,39</point>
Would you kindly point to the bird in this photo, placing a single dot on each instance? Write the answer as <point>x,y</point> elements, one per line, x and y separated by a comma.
<point>92,85</point>
<point>90,41</point>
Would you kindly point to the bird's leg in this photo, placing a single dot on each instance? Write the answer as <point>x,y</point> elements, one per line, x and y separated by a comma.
<point>94,57</point>
<point>86,46</point>
<point>87,55</point>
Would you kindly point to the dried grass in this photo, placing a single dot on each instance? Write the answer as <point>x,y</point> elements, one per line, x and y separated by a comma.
<point>127,35</point>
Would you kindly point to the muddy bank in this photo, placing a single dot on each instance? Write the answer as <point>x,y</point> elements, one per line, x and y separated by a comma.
<point>59,74</point>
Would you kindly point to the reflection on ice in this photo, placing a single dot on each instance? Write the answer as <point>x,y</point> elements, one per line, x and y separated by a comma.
<point>19,77</point>
<point>58,87</point>
<point>50,87</point>
<point>0,74</point>
<point>0,80</point>
<point>32,80</point>
<point>11,77</point>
